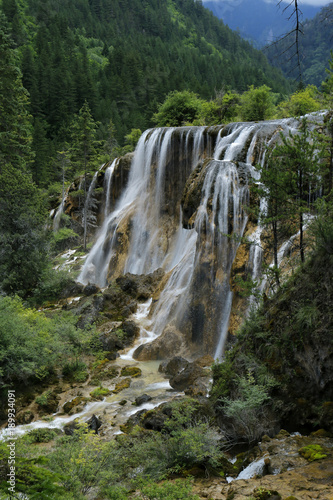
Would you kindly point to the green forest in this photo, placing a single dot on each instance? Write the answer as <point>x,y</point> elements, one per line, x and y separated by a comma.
<point>80,80</point>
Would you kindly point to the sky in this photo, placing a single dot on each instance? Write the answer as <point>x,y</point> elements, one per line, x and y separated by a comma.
<point>316,3</point>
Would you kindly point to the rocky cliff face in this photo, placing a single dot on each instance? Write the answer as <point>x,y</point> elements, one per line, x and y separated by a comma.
<point>180,204</point>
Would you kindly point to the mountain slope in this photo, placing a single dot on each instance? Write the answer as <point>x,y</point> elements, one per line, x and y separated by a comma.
<point>124,56</point>
<point>315,46</point>
<point>257,20</point>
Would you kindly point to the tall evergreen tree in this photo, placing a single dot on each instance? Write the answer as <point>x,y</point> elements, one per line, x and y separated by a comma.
<point>22,248</point>
<point>84,151</point>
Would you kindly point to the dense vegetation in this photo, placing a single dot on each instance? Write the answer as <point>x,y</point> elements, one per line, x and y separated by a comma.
<point>123,58</point>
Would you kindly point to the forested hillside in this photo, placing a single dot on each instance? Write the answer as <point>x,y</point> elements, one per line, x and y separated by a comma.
<point>259,21</point>
<point>315,44</point>
<point>123,57</point>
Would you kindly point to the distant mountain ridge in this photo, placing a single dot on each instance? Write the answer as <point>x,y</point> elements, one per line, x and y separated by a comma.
<point>258,21</point>
<point>315,46</point>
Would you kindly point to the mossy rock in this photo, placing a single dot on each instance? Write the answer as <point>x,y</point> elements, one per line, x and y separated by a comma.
<point>103,370</point>
<point>99,393</point>
<point>123,384</point>
<point>131,371</point>
<point>312,452</point>
<point>48,401</point>
<point>68,407</point>
<point>264,494</point>
<point>321,433</point>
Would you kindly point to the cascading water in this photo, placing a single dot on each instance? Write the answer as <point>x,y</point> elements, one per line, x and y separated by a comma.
<point>145,230</point>
<point>107,185</point>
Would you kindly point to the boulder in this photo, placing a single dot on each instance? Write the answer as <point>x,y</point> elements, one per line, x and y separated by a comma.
<point>142,286</point>
<point>165,346</point>
<point>131,371</point>
<point>173,366</point>
<point>90,289</point>
<point>123,384</point>
<point>144,398</point>
<point>73,289</point>
<point>187,377</point>
<point>94,423</point>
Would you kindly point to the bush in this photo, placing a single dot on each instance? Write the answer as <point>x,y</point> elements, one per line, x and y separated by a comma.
<point>177,490</point>
<point>41,435</point>
<point>179,108</point>
<point>63,238</point>
<point>50,285</point>
<point>32,345</point>
<point>44,399</point>
<point>75,370</point>
<point>257,103</point>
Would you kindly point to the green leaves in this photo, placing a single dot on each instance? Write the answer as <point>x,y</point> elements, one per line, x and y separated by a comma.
<point>32,345</point>
<point>179,108</point>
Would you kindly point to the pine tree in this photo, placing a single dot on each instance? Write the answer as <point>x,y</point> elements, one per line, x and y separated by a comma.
<point>300,157</point>
<point>84,151</point>
<point>22,246</point>
<point>15,124</point>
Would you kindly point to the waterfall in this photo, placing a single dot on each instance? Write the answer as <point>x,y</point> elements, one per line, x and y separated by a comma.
<point>145,230</point>
<point>108,184</point>
<point>144,199</point>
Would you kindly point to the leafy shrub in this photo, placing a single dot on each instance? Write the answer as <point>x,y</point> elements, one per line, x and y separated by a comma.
<point>177,490</point>
<point>42,435</point>
<point>99,392</point>
<point>52,282</point>
<point>44,399</point>
<point>75,370</point>
<point>63,238</point>
<point>178,109</point>
<point>32,345</point>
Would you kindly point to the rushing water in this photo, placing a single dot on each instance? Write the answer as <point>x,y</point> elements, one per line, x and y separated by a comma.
<point>149,212</point>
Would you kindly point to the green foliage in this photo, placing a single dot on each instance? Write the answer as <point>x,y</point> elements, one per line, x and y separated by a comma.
<point>49,286</point>
<point>15,125</point>
<point>44,399</point>
<point>312,452</point>
<point>179,108</point>
<point>83,461</point>
<point>75,370</point>
<point>132,138</point>
<point>247,407</point>
<point>257,103</point>
<point>302,102</point>
<point>314,48</point>
<point>63,239</point>
<point>41,435</point>
<point>32,345</point>
<point>32,476</point>
<point>176,490</point>
<point>322,228</point>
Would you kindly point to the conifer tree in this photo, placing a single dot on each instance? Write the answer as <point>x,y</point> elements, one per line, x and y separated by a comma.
<point>300,157</point>
<point>22,246</point>
<point>84,151</point>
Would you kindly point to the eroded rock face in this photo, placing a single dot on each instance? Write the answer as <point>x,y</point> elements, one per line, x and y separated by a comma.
<point>142,286</point>
<point>165,346</point>
<point>186,378</point>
